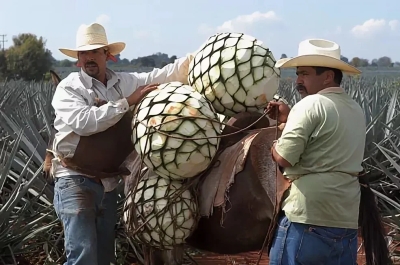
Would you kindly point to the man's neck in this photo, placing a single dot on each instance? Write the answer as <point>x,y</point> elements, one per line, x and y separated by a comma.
<point>102,78</point>
<point>334,89</point>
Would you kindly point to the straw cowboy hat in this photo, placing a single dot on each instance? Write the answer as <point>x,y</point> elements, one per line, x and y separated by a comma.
<point>91,37</point>
<point>318,52</point>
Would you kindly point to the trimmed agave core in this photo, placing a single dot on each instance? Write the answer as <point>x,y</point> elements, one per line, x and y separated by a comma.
<point>235,72</point>
<point>176,110</point>
<point>166,212</point>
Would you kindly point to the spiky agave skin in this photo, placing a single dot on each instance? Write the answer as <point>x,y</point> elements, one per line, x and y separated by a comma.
<point>165,209</point>
<point>176,110</point>
<point>236,72</point>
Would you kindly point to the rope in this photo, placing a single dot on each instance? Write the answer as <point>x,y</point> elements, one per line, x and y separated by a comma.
<point>276,177</point>
<point>131,208</point>
<point>202,118</point>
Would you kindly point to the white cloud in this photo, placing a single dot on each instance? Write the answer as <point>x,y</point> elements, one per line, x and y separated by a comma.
<point>103,19</point>
<point>240,23</point>
<point>247,20</point>
<point>394,24</point>
<point>369,27</point>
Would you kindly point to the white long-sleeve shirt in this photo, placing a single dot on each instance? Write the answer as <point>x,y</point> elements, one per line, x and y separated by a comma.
<point>77,116</point>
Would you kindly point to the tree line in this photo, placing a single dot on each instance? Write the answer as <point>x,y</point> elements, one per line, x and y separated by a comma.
<point>29,59</point>
<point>155,60</point>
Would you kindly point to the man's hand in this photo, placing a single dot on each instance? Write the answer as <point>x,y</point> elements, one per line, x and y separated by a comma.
<point>140,93</point>
<point>99,102</point>
<point>282,108</point>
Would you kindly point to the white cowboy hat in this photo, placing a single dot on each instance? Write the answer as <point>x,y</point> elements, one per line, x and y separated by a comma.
<point>91,37</point>
<point>318,52</point>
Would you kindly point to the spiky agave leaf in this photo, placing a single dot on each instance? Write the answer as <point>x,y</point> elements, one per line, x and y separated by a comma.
<point>176,131</point>
<point>387,191</point>
<point>28,223</point>
<point>236,72</point>
<point>128,251</point>
<point>27,218</point>
<point>14,117</point>
<point>166,212</point>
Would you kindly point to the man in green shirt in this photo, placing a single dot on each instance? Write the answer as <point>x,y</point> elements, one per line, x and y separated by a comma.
<point>321,150</point>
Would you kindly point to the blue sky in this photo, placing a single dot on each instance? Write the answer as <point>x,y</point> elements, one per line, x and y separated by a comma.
<point>369,29</point>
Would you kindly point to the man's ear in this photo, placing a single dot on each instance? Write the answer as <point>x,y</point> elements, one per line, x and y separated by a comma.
<point>329,77</point>
<point>78,64</point>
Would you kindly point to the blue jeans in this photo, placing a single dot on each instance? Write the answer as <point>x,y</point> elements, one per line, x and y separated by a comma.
<point>89,217</point>
<point>302,244</point>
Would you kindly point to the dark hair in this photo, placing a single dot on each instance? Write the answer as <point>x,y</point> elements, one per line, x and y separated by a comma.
<point>338,75</point>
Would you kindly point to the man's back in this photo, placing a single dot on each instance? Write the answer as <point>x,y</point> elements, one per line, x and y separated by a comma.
<point>324,192</point>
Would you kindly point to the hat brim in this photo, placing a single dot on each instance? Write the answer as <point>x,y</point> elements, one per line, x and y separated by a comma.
<point>114,49</point>
<point>317,60</point>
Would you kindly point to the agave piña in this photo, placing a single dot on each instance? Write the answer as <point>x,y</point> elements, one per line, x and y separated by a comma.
<point>166,212</point>
<point>163,119</point>
<point>235,72</point>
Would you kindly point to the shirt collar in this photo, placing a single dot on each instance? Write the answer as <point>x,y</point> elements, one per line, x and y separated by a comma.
<point>111,77</point>
<point>336,90</point>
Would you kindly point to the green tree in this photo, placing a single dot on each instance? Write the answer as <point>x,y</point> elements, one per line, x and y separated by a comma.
<point>66,63</point>
<point>359,62</point>
<point>364,62</point>
<point>28,58</point>
<point>344,59</point>
<point>172,59</point>
<point>356,62</point>
<point>124,61</point>
<point>385,62</point>
<point>147,62</point>
<point>3,65</point>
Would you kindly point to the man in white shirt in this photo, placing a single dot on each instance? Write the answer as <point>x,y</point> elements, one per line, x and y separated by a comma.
<point>88,208</point>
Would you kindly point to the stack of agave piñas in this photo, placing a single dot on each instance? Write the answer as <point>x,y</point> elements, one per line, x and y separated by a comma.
<point>176,131</point>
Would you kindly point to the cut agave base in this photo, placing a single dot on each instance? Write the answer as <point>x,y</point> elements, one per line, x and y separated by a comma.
<point>235,72</point>
<point>166,212</point>
<point>164,118</point>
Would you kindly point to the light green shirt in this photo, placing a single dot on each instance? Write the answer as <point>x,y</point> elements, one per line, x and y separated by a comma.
<point>324,140</point>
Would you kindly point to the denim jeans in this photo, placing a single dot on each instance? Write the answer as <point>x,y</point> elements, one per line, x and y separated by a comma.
<point>88,216</point>
<point>302,244</point>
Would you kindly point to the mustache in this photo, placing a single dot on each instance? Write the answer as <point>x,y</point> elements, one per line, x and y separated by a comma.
<point>91,64</point>
<point>298,87</point>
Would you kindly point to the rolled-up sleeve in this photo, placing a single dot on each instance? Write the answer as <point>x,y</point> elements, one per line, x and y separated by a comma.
<point>83,119</point>
<point>176,71</point>
<point>302,121</point>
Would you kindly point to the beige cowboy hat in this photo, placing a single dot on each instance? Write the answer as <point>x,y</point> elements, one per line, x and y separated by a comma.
<point>91,37</point>
<point>318,52</point>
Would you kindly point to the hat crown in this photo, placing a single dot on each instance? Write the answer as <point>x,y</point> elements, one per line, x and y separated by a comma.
<point>319,47</point>
<point>93,34</point>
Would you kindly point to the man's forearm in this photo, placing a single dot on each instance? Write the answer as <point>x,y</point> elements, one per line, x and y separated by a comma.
<point>278,159</point>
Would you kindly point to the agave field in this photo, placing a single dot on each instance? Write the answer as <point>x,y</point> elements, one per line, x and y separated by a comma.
<point>29,230</point>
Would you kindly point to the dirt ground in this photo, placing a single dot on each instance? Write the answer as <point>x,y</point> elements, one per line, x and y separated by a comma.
<point>244,259</point>
<point>249,258</point>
